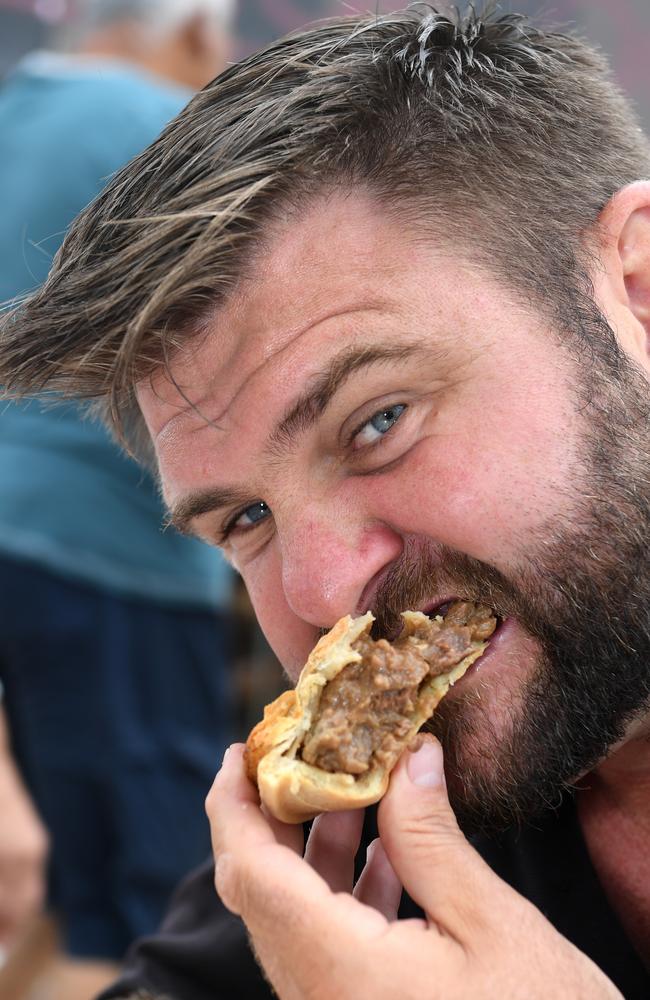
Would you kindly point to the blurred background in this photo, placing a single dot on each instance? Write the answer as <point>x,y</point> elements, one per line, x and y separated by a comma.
<point>39,959</point>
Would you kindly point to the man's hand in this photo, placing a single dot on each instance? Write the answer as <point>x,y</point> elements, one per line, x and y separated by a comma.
<point>317,938</point>
<point>23,852</point>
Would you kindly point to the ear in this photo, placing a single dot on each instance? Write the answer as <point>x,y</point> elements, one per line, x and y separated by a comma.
<point>196,31</point>
<point>190,32</point>
<point>623,284</point>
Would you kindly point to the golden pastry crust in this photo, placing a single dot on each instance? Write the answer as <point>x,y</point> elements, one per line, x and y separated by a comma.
<point>294,791</point>
<point>278,714</point>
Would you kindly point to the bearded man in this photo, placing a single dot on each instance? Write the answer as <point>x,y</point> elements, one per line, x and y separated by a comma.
<point>379,298</point>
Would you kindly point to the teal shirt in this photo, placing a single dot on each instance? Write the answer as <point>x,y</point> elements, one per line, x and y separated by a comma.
<point>70,500</point>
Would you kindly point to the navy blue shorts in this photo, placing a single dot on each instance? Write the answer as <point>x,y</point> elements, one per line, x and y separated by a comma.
<point>119,714</point>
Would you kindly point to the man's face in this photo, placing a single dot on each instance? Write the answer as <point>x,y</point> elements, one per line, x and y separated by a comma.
<point>376,424</point>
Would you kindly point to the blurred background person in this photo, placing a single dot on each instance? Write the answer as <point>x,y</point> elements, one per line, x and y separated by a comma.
<point>113,633</point>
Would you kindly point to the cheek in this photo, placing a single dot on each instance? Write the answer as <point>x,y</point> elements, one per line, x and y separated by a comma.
<point>485,481</point>
<point>290,638</point>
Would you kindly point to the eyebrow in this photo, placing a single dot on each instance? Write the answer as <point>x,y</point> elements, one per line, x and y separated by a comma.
<point>204,501</point>
<point>304,413</point>
<point>301,415</point>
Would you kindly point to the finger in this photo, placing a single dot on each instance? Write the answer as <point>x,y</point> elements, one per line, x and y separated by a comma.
<point>289,834</point>
<point>437,866</point>
<point>11,921</point>
<point>21,897</point>
<point>256,876</point>
<point>22,877</point>
<point>233,807</point>
<point>240,833</point>
<point>378,885</point>
<point>7,935</point>
<point>296,923</point>
<point>332,847</point>
<point>233,778</point>
<point>32,895</point>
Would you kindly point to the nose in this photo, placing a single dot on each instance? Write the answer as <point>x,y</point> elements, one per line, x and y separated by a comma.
<point>328,563</point>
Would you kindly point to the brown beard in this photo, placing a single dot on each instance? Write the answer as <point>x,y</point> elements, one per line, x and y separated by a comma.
<point>584,595</point>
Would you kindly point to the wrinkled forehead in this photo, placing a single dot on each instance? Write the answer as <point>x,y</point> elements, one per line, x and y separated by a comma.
<point>339,258</point>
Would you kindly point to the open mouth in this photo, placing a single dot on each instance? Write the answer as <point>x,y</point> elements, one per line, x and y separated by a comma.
<point>440,607</point>
<point>458,616</point>
<point>457,613</point>
<point>459,609</point>
<point>367,712</point>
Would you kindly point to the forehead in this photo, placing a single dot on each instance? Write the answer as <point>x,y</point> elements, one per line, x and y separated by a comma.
<point>341,259</point>
<point>330,260</point>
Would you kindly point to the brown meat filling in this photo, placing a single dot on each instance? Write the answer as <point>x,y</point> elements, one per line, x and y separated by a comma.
<point>366,710</point>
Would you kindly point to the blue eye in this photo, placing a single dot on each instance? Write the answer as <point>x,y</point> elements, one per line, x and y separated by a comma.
<point>379,424</point>
<point>384,420</point>
<point>252,515</point>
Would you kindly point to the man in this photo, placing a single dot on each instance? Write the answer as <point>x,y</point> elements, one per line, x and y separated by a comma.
<point>113,633</point>
<point>384,306</point>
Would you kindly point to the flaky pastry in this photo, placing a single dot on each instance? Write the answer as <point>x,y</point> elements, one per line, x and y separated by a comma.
<point>294,790</point>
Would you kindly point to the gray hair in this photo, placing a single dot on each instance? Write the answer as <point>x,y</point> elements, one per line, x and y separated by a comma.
<point>485,133</point>
<point>159,15</point>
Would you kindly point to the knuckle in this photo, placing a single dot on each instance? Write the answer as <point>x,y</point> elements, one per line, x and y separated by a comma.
<point>35,891</point>
<point>42,846</point>
<point>208,804</point>
<point>231,879</point>
<point>433,828</point>
<point>214,798</point>
<point>225,881</point>
<point>31,857</point>
<point>33,848</point>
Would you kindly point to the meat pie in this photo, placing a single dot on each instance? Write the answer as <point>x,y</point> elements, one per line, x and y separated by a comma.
<point>332,742</point>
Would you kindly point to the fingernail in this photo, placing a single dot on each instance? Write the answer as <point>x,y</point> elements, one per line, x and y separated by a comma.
<point>371,849</point>
<point>416,743</point>
<point>425,766</point>
<point>225,754</point>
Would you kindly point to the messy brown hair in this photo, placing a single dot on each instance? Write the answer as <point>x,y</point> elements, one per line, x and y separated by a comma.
<point>504,138</point>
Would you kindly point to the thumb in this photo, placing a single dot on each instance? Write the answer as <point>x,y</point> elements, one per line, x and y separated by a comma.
<point>435,863</point>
